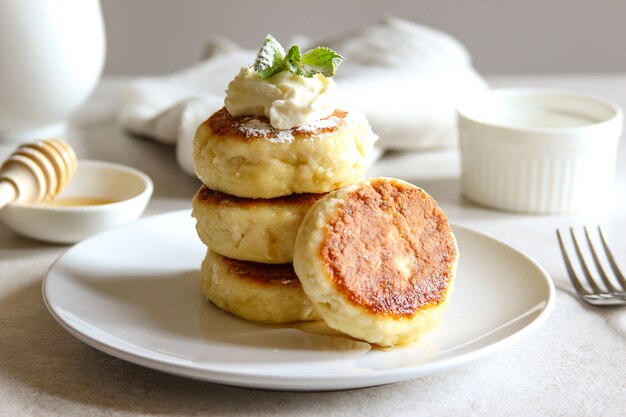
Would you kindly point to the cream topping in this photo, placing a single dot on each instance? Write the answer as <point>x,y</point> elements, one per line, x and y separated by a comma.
<point>286,99</point>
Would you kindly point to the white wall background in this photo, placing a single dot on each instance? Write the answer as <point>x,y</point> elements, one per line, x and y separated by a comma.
<point>503,36</point>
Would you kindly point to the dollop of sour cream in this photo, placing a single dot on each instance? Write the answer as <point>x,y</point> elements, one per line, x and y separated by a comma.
<point>286,99</point>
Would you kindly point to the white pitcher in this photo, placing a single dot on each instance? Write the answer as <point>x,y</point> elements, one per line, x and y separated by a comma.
<point>51,58</point>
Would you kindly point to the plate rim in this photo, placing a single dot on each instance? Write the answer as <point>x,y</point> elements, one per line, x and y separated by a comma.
<point>161,362</point>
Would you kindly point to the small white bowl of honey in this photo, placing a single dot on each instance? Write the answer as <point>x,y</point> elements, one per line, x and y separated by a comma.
<point>101,195</point>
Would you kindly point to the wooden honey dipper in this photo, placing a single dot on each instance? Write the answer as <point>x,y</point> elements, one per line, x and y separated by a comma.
<point>36,172</point>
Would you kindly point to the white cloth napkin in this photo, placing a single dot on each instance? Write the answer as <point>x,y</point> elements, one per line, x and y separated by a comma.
<point>406,78</point>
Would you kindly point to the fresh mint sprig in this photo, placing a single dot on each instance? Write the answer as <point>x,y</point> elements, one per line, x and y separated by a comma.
<point>272,59</point>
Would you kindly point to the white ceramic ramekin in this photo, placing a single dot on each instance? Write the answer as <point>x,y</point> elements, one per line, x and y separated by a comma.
<point>538,150</point>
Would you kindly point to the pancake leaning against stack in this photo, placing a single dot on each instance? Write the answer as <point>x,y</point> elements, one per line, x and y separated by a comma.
<point>378,260</point>
<point>279,144</point>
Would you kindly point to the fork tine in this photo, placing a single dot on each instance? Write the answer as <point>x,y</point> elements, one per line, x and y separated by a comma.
<point>609,255</point>
<point>568,265</point>
<point>590,280</point>
<point>596,260</point>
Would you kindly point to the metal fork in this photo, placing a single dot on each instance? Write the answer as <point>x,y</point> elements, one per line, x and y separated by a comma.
<point>614,291</point>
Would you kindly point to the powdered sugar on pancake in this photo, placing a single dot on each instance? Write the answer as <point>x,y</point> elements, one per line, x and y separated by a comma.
<point>261,128</point>
<point>327,123</point>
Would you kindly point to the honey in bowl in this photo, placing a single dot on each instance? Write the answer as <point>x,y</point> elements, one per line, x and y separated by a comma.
<point>78,201</point>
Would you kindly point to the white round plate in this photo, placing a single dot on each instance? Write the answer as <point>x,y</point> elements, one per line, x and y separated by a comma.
<point>133,292</point>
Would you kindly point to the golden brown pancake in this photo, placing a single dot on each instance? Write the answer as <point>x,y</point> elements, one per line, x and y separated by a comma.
<point>254,291</point>
<point>378,259</point>
<point>246,157</point>
<point>259,230</point>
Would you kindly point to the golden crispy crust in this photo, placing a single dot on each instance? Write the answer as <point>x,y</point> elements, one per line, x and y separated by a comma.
<point>263,274</point>
<point>206,195</point>
<point>223,124</point>
<point>389,249</point>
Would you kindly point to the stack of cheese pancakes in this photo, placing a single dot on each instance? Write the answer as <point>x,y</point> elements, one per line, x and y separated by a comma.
<point>283,149</point>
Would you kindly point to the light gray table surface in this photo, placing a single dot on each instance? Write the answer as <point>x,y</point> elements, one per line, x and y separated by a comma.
<point>574,365</point>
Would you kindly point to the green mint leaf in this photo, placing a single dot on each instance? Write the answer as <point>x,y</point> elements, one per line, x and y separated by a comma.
<point>270,58</point>
<point>320,60</point>
<point>292,60</point>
